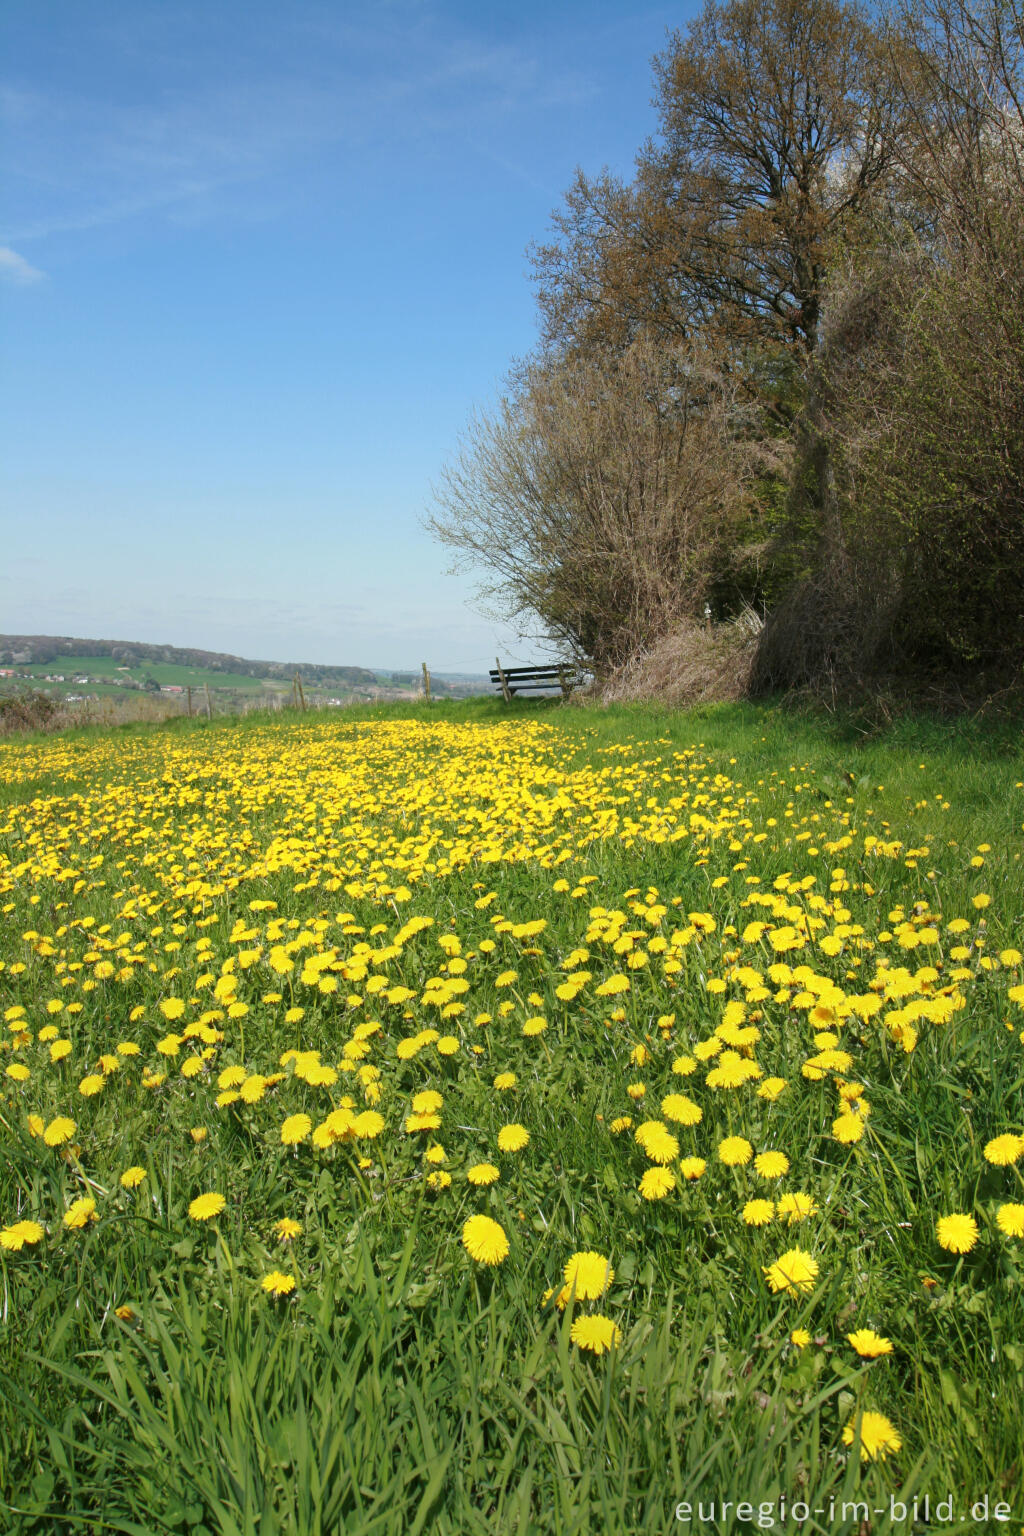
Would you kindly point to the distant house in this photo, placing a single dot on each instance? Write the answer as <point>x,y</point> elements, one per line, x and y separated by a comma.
<point>172,688</point>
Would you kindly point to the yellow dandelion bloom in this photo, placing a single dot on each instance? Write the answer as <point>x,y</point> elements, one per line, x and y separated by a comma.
<point>205,1207</point>
<point>657,1183</point>
<point>1010,1219</point>
<point>735,1151</point>
<point>796,1207</point>
<point>677,1107</point>
<point>1004,1150</point>
<point>692,1167</point>
<point>513,1138</point>
<point>793,1271</point>
<point>956,1233</point>
<point>869,1344</point>
<point>878,1437</point>
<point>278,1284</point>
<point>589,1275</point>
<point>848,1128</point>
<point>595,1333</point>
<point>132,1177</point>
<point>485,1240</point>
<point>59,1131</point>
<point>483,1173</point>
<point>295,1129</point>
<point>80,1212</point>
<point>757,1213</point>
<point>23,1234</point>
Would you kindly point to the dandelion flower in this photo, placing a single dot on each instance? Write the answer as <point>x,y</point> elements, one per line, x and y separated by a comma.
<point>484,1240</point>
<point>692,1167</point>
<point>957,1233</point>
<point>595,1333</point>
<point>287,1228</point>
<point>771,1165</point>
<point>278,1284</point>
<point>657,1183</point>
<point>1010,1219</point>
<point>797,1207</point>
<point>513,1138</point>
<point>295,1129</point>
<point>59,1131</point>
<point>23,1234</point>
<point>483,1173</point>
<point>80,1212</point>
<point>590,1274</point>
<point>1005,1149</point>
<point>870,1344</point>
<point>800,1337</point>
<point>757,1213</point>
<point>848,1128</point>
<point>422,1122</point>
<point>734,1151</point>
<point>427,1102</point>
<point>504,1081</point>
<point>657,1141</point>
<point>877,1436</point>
<point>794,1271</point>
<point>203,1207</point>
<point>677,1107</point>
<point>771,1088</point>
<point>132,1177</point>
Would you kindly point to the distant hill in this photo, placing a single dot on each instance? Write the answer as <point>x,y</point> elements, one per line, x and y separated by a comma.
<point>41,649</point>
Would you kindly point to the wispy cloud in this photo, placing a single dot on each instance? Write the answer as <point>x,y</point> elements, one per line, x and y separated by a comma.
<point>182,137</point>
<point>15,269</point>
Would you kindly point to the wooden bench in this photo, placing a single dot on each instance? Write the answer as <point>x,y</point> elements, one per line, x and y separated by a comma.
<point>510,680</point>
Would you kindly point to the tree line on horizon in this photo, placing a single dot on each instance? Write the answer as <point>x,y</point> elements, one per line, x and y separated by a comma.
<point>781,370</point>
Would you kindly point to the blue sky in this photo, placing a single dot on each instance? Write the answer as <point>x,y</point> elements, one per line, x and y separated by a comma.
<point>258,264</point>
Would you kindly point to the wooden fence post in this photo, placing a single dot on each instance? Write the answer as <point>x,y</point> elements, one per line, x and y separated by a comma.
<point>188,690</point>
<point>302,696</point>
<point>209,706</point>
<point>504,681</point>
<point>426,681</point>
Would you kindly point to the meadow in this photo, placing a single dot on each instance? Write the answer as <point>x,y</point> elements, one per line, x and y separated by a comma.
<point>545,1120</point>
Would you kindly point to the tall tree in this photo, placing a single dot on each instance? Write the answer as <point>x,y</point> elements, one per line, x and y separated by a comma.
<point>777,126</point>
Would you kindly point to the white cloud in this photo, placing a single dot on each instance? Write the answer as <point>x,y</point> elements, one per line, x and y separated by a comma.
<point>15,269</point>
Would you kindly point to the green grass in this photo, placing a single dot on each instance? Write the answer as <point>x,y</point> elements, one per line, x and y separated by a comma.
<point>164,672</point>
<point>401,1387</point>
